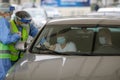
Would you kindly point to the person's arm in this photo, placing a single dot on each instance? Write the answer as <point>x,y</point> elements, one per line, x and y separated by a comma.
<point>10,38</point>
<point>33,30</point>
<point>5,35</point>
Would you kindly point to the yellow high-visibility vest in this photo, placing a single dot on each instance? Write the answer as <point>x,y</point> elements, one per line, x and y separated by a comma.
<point>25,33</point>
<point>4,51</point>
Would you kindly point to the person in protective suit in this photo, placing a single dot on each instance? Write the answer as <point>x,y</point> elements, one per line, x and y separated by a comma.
<point>6,38</point>
<point>21,23</point>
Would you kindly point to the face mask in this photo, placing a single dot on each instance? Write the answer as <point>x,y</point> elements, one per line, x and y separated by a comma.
<point>24,25</point>
<point>60,40</point>
<point>8,18</point>
<point>102,40</point>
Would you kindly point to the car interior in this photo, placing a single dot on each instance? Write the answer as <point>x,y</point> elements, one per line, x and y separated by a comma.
<point>111,45</point>
<point>86,38</point>
<point>82,38</point>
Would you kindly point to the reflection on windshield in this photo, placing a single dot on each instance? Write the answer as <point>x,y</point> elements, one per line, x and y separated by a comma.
<point>78,39</point>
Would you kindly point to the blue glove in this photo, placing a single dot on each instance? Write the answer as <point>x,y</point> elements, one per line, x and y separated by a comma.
<point>42,41</point>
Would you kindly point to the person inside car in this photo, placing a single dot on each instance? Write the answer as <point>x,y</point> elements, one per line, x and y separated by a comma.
<point>106,45</point>
<point>62,45</point>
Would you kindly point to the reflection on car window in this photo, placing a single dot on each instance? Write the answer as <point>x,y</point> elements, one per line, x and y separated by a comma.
<point>81,39</point>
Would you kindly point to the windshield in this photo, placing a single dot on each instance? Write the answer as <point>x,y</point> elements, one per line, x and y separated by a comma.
<point>79,39</point>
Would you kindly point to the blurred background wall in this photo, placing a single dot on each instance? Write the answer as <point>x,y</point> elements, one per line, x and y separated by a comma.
<point>68,11</point>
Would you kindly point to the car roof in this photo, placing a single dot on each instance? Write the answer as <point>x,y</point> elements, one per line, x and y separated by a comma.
<point>105,13</point>
<point>108,20</point>
<point>109,9</point>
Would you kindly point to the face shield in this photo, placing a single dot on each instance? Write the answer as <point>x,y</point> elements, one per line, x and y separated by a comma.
<point>9,12</point>
<point>11,8</point>
<point>24,21</point>
<point>6,10</point>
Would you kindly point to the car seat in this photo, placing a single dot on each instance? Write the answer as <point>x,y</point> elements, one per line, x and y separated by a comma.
<point>82,38</point>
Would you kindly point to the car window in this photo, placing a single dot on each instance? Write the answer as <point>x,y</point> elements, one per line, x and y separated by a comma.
<point>107,41</point>
<point>79,39</point>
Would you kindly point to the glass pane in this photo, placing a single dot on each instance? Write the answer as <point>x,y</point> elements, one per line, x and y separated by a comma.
<point>107,41</point>
<point>79,39</point>
<point>66,38</point>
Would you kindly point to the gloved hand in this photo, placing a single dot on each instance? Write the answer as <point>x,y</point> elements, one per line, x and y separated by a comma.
<point>19,33</point>
<point>20,46</point>
<point>42,41</point>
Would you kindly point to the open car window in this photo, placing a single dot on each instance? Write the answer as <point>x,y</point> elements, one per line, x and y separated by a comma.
<point>79,39</point>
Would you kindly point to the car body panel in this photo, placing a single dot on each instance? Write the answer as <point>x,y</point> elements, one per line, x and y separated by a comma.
<point>47,67</point>
<point>117,14</point>
<point>86,20</point>
<point>109,9</point>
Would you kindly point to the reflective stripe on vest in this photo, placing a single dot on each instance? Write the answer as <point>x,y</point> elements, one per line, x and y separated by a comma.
<point>25,34</point>
<point>4,51</point>
<point>4,56</point>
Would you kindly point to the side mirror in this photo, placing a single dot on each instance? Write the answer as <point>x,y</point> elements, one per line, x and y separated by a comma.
<point>22,46</point>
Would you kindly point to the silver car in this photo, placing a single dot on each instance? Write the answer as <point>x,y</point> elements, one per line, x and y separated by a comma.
<point>96,53</point>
